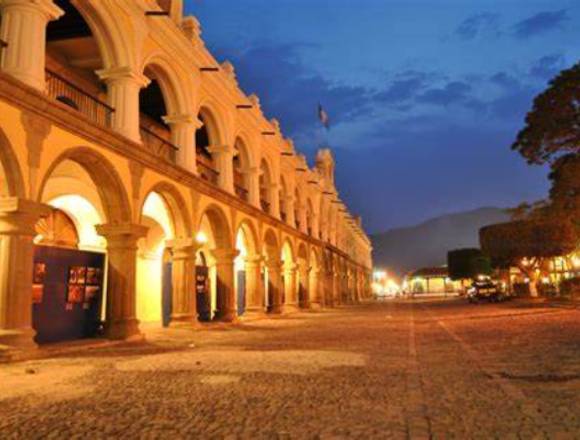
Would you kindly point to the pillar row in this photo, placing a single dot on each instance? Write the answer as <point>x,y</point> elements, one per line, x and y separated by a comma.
<point>226,309</point>
<point>254,285</point>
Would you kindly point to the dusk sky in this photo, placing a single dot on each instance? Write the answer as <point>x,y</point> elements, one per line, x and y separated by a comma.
<point>425,97</point>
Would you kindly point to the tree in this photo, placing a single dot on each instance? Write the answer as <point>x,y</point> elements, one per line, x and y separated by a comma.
<point>565,191</point>
<point>467,263</point>
<point>553,125</point>
<point>527,245</point>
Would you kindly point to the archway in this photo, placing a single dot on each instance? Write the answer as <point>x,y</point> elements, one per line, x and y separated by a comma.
<point>218,248</point>
<point>272,273</point>
<point>265,186</point>
<point>303,277</point>
<point>154,268</point>
<point>78,45</point>
<point>309,216</point>
<point>84,185</point>
<point>241,165</point>
<point>207,136</point>
<point>283,200</point>
<point>288,275</point>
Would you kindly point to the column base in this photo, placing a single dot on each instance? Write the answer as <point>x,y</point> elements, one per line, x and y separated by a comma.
<point>126,329</point>
<point>15,343</point>
<point>290,308</point>
<point>275,309</point>
<point>315,305</point>
<point>305,305</point>
<point>253,314</point>
<point>227,316</point>
<point>183,321</point>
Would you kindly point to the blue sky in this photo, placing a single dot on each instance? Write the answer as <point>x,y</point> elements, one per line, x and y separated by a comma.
<point>425,96</point>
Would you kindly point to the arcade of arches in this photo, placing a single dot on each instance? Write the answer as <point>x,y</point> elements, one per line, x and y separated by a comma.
<point>140,186</point>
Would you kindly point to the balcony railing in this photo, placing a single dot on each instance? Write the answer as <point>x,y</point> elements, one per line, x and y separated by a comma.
<point>283,216</point>
<point>265,205</point>
<point>158,145</point>
<point>69,94</point>
<point>205,167</point>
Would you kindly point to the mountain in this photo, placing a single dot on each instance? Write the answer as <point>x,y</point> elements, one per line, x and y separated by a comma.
<point>426,244</point>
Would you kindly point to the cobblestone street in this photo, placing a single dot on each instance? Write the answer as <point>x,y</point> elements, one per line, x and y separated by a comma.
<point>440,369</point>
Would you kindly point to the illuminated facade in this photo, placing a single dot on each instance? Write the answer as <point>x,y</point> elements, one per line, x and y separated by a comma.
<point>138,177</point>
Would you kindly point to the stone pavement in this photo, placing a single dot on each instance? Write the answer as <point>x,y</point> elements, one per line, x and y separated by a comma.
<point>421,369</point>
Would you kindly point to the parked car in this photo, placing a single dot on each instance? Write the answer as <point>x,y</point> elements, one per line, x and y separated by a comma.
<point>486,290</point>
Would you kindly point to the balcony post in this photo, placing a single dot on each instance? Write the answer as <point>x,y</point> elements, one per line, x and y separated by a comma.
<point>123,87</point>
<point>183,129</point>
<point>24,30</point>
<point>223,156</point>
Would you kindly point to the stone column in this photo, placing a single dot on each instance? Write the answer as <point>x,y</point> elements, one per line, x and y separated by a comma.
<point>223,159</point>
<point>304,285</point>
<point>336,289</point>
<point>183,129</point>
<point>290,284</point>
<point>254,285</point>
<point>274,200</point>
<point>18,218</point>
<point>274,286</point>
<point>184,307</point>
<point>253,179</point>
<point>24,30</point>
<point>226,309</point>
<point>123,86</point>
<point>121,320</point>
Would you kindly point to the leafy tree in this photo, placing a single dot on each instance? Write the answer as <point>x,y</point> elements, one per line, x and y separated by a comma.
<point>565,191</point>
<point>527,245</point>
<point>467,263</point>
<point>553,125</point>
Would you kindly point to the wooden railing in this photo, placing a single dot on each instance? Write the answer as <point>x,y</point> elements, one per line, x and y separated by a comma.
<point>241,192</point>
<point>265,205</point>
<point>70,94</point>
<point>158,144</point>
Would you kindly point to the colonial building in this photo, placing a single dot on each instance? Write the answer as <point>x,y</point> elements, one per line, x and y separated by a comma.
<point>139,183</point>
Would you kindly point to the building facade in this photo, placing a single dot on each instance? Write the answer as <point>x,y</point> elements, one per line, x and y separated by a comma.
<point>140,184</point>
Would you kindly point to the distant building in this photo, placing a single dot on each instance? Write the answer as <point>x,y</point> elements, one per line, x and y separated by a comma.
<point>433,280</point>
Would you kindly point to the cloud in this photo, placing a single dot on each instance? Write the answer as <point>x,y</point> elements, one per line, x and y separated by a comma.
<point>548,66</point>
<point>478,25</point>
<point>405,86</point>
<point>540,23</point>
<point>505,81</point>
<point>453,92</point>
<point>290,91</point>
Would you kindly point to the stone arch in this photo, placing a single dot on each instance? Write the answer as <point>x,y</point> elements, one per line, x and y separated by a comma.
<point>219,225</point>
<point>287,251</point>
<point>175,205</point>
<point>110,33</point>
<point>176,89</point>
<point>213,121</point>
<point>251,235</point>
<point>265,184</point>
<point>110,188</point>
<point>11,181</point>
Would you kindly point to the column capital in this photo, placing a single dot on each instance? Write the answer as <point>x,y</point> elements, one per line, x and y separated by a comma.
<point>224,255</point>
<point>225,148</point>
<point>183,119</point>
<point>122,234</point>
<point>254,260</point>
<point>183,248</point>
<point>19,216</point>
<point>123,74</point>
<point>45,7</point>
<point>273,265</point>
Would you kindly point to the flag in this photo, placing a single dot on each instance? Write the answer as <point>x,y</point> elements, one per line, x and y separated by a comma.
<point>323,116</point>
